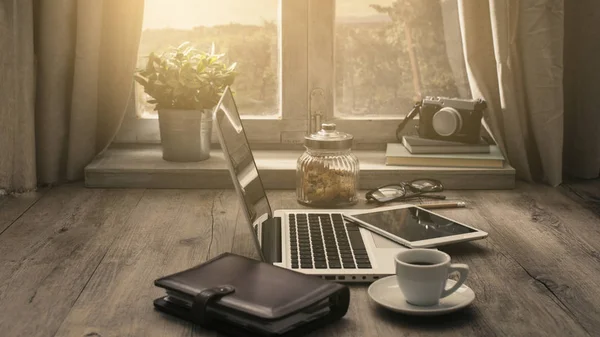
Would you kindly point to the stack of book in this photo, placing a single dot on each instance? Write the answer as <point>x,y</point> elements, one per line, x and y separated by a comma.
<point>415,151</point>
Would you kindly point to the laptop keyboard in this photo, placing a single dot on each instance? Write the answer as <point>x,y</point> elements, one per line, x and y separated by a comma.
<point>324,241</point>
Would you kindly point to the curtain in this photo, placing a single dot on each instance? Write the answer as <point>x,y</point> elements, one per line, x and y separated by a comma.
<point>514,56</point>
<point>17,96</point>
<point>582,88</point>
<point>71,62</point>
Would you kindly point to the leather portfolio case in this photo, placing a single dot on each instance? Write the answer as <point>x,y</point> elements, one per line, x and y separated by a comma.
<point>240,296</point>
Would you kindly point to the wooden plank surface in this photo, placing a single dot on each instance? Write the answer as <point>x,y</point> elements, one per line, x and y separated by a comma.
<point>13,206</point>
<point>547,247</point>
<point>168,231</point>
<point>506,293</point>
<point>81,262</point>
<point>509,299</point>
<point>575,218</point>
<point>48,255</point>
<point>584,191</point>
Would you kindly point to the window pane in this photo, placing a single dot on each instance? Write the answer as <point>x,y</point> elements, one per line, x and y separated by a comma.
<point>245,30</point>
<point>377,71</point>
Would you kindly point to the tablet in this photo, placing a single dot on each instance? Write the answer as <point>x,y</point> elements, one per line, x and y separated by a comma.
<point>414,226</point>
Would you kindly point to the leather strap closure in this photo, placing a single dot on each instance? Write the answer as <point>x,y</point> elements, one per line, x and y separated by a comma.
<point>204,299</point>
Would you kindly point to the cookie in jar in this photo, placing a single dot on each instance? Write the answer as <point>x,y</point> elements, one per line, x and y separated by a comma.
<point>327,172</point>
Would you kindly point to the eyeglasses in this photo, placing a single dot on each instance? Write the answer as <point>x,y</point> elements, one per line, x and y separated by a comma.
<point>406,190</point>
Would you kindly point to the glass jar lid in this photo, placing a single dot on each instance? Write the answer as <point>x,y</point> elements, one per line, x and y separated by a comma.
<point>328,138</point>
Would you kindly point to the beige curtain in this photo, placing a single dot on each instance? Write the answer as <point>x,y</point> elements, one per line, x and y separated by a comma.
<point>514,55</point>
<point>85,54</point>
<point>17,96</point>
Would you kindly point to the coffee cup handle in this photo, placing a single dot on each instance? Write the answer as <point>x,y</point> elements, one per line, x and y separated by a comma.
<point>463,271</point>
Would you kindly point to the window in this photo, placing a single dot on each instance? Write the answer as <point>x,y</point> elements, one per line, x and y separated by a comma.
<point>245,31</point>
<point>358,63</point>
<point>378,69</point>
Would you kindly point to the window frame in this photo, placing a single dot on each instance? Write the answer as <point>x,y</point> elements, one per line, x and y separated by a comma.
<point>321,62</point>
<point>306,36</point>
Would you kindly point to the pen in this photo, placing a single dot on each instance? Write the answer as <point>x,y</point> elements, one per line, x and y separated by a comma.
<point>450,204</point>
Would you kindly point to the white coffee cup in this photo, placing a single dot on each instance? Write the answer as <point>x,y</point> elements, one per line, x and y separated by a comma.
<point>422,274</point>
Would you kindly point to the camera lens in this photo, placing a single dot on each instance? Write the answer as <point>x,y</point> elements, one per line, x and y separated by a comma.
<point>447,122</point>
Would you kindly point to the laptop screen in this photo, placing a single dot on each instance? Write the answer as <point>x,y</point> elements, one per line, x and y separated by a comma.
<point>242,167</point>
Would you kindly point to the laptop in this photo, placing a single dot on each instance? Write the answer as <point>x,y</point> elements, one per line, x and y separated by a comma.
<point>311,241</point>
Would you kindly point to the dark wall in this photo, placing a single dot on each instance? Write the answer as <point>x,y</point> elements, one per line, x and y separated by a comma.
<point>582,88</point>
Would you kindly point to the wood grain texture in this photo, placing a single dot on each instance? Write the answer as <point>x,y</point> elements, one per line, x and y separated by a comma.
<point>83,261</point>
<point>544,245</point>
<point>586,191</point>
<point>509,300</point>
<point>48,255</point>
<point>576,218</point>
<point>13,206</point>
<point>508,303</point>
<point>168,231</point>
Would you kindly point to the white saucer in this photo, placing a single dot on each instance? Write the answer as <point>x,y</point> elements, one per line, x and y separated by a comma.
<point>386,293</point>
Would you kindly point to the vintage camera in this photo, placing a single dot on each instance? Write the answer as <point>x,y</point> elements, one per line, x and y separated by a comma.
<point>450,119</point>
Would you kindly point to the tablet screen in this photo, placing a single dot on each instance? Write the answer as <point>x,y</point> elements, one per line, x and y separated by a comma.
<point>413,224</point>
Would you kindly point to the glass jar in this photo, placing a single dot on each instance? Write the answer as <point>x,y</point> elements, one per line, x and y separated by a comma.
<point>327,172</point>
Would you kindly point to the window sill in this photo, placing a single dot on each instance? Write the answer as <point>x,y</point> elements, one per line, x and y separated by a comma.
<point>143,167</point>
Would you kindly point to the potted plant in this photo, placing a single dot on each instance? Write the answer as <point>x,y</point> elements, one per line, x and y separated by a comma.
<point>185,84</point>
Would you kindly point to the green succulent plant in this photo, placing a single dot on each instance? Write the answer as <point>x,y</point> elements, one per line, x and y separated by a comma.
<point>185,78</point>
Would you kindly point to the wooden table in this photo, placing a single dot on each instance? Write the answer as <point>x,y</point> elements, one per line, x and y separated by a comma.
<point>81,262</point>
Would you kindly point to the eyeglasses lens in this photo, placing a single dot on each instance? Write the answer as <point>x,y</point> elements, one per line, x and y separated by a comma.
<point>388,192</point>
<point>425,185</point>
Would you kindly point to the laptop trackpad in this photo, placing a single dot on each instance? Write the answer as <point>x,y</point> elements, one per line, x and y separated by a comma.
<point>383,242</point>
